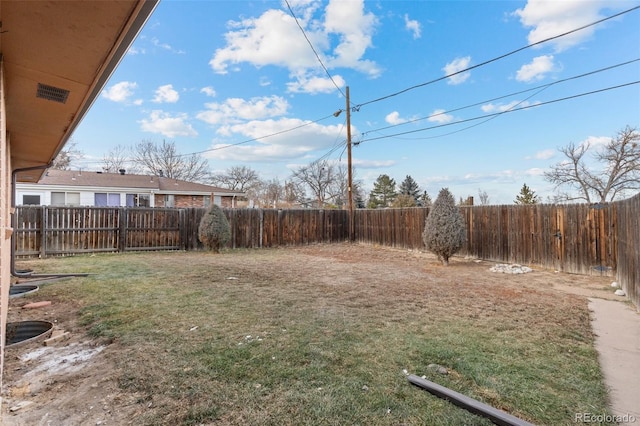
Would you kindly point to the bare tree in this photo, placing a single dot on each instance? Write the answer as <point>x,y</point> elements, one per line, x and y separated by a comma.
<point>483,197</point>
<point>67,156</point>
<point>318,177</point>
<point>118,159</point>
<point>237,178</point>
<point>292,193</point>
<point>271,193</point>
<point>616,172</point>
<point>164,160</point>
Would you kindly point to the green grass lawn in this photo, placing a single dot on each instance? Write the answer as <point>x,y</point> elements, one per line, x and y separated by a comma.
<point>323,336</point>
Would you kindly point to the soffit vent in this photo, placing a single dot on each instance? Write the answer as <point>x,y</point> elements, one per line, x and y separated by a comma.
<point>51,93</point>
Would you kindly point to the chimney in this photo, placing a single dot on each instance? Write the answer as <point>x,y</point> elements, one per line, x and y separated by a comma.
<point>122,171</point>
<point>161,173</point>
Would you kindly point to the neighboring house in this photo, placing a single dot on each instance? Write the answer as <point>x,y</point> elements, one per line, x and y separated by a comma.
<point>91,188</point>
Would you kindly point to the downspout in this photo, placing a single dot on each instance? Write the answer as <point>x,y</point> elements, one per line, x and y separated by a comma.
<point>14,224</point>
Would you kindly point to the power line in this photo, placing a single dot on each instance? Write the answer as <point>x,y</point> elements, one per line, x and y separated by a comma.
<point>257,138</point>
<point>544,86</point>
<point>502,112</point>
<point>313,48</point>
<point>357,107</point>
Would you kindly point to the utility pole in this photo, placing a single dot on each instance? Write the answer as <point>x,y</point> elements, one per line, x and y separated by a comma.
<point>350,173</point>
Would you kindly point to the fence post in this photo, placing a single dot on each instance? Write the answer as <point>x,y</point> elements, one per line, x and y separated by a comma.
<point>181,226</point>
<point>43,233</point>
<point>122,226</point>
<point>261,216</point>
<point>280,226</point>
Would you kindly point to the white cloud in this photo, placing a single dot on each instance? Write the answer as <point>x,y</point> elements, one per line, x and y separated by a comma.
<point>413,26</point>
<point>543,155</point>
<point>234,110</point>
<point>455,66</point>
<point>314,85</point>
<point>258,41</point>
<point>209,91</point>
<point>355,30</point>
<point>273,141</point>
<point>439,116</point>
<point>535,70</point>
<point>535,171</point>
<point>120,92</point>
<point>549,18</point>
<point>596,141</point>
<point>394,118</point>
<point>167,125</point>
<point>166,46</point>
<point>373,164</point>
<point>491,108</point>
<point>136,51</point>
<point>166,94</point>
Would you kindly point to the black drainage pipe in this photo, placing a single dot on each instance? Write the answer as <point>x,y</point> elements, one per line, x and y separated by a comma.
<point>474,406</point>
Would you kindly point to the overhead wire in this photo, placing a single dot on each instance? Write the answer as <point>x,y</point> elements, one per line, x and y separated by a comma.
<point>497,58</point>
<point>313,48</point>
<point>358,106</point>
<point>503,112</point>
<point>543,86</point>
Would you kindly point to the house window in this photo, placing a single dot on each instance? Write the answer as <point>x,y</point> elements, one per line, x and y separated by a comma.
<point>65,198</point>
<point>138,200</point>
<point>31,200</point>
<point>207,200</point>
<point>169,200</point>
<point>105,199</point>
<point>57,198</point>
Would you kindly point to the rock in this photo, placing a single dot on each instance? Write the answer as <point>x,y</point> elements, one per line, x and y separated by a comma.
<point>614,284</point>
<point>365,388</point>
<point>504,268</point>
<point>37,304</point>
<point>20,405</point>
<point>620,292</point>
<point>438,369</point>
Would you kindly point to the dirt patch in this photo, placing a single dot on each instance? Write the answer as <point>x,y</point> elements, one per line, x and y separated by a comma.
<point>76,382</point>
<point>72,382</point>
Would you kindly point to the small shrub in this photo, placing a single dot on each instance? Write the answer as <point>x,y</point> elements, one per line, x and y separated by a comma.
<point>214,230</point>
<point>444,230</point>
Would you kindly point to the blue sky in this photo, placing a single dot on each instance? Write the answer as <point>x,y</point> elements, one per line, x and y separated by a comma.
<point>209,74</point>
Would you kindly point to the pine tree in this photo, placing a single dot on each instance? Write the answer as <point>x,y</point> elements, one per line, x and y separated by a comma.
<point>383,192</point>
<point>425,200</point>
<point>410,187</point>
<point>444,230</point>
<point>404,200</point>
<point>214,230</point>
<point>526,196</point>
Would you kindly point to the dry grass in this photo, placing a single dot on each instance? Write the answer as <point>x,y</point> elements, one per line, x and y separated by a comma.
<point>322,334</point>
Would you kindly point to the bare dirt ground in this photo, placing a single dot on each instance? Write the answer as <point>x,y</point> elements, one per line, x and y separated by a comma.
<point>74,382</point>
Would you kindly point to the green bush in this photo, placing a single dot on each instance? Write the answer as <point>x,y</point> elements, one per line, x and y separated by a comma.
<point>214,230</point>
<point>444,230</point>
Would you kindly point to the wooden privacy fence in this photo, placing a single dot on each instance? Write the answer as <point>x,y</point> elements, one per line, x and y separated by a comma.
<point>50,231</point>
<point>628,260</point>
<point>45,231</point>
<point>575,238</point>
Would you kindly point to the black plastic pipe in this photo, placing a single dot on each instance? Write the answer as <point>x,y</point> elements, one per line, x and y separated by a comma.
<point>474,406</point>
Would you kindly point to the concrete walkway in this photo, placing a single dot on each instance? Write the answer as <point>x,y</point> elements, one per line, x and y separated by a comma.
<point>617,329</point>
